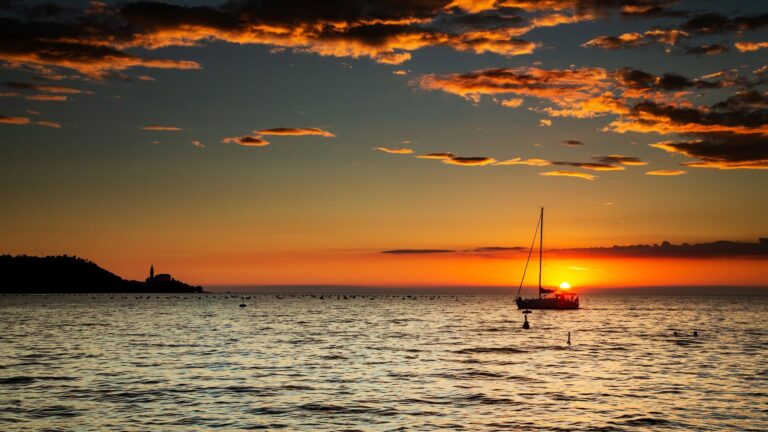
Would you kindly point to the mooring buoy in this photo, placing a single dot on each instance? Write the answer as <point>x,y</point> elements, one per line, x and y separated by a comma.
<point>526,324</point>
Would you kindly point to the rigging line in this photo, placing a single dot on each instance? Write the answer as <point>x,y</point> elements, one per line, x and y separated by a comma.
<point>530,251</point>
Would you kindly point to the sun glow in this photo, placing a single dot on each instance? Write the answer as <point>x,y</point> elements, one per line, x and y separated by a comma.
<point>565,286</point>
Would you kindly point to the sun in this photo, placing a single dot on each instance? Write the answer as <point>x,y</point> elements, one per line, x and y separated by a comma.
<point>565,286</point>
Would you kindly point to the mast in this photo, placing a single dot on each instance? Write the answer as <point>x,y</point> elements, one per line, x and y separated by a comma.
<point>541,246</point>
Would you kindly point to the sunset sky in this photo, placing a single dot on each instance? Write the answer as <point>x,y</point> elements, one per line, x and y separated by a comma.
<point>400,143</point>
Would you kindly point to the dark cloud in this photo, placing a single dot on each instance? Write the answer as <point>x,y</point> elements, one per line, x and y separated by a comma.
<point>706,119</point>
<point>573,143</point>
<point>638,79</point>
<point>718,249</point>
<point>605,163</point>
<point>492,249</point>
<point>469,161</point>
<point>93,42</point>
<point>722,150</point>
<point>451,159</point>
<point>710,23</point>
<point>246,141</point>
<point>436,156</point>
<point>619,160</point>
<point>747,100</point>
<point>713,49</point>
<point>731,134</point>
<point>593,166</point>
<point>478,250</point>
<point>702,24</point>
<point>41,45</point>
<point>592,7</point>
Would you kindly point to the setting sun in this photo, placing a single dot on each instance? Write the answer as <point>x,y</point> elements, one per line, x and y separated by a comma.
<point>565,286</point>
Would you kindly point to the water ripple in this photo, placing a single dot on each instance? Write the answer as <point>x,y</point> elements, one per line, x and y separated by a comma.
<point>390,363</point>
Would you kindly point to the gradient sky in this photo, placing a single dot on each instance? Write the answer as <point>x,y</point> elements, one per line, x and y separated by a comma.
<point>278,142</point>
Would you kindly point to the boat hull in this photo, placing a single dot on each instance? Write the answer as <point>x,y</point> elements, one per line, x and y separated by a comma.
<point>547,303</point>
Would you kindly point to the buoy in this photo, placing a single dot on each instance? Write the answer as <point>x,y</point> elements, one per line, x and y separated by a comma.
<point>243,302</point>
<point>675,333</point>
<point>695,333</point>
<point>526,324</point>
<point>569,338</point>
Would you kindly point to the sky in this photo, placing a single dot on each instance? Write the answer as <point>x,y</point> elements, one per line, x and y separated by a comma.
<point>389,143</point>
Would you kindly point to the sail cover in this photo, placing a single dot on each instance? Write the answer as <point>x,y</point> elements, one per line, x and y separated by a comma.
<point>545,290</point>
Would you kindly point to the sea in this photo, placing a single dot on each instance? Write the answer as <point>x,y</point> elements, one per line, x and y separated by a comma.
<point>115,362</point>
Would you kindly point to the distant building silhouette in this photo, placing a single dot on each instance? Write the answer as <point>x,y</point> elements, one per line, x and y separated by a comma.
<point>158,279</point>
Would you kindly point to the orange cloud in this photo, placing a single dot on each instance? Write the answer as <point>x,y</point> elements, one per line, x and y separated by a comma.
<point>93,61</point>
<point>559,86</point>
<point>393,58</point>
<point>631,40</point>
<point>512,103</point>
<point>395,150</point>
<point>521,161</point>
<point>47,98</point>
<point>473,6</point>
<point>575,174</point>
<point>591,107</point>
<point>49,124</point>
<point>14,120</point>
<point>750,46</point>
<point>295,132</point>
<point>665,172</point>
<point>43,88</point>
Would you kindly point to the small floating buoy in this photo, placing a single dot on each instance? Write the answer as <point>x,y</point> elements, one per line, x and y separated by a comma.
<point>243,302</point>
<point>526,324</point>
<point>569,338</point>
<point>675,333</point>
<point>695,333</point>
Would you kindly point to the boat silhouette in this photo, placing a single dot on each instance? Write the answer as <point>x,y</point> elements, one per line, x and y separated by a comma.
<point>547,298</point>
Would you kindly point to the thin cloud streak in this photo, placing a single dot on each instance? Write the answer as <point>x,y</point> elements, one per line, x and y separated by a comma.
<point>14,120</point>
<point>665,173</point>
<point>162,128</point>
<point>663,250</point>
<point>574,174</point>
<point>285,131</point>
<point>400,150</point>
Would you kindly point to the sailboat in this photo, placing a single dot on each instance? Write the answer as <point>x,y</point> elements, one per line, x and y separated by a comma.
<point>548,298</point>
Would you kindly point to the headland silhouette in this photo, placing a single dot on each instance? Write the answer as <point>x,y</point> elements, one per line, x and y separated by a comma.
<point>22,274</point>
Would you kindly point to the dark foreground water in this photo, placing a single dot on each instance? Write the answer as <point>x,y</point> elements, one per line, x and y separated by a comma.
<point>200,362</point>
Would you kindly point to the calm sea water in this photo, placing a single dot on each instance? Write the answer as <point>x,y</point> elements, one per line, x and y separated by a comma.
<point>200,362</point>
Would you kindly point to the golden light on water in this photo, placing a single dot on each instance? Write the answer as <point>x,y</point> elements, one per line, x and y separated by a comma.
<point>565,286</point>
